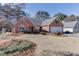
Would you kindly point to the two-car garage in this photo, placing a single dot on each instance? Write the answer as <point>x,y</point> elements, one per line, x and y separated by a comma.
<point>56,29</point>
<point>53,25</point>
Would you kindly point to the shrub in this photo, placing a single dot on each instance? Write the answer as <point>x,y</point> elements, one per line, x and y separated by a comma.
<point>20,45</point>
<point>44,33</point>
<point>58,33</point>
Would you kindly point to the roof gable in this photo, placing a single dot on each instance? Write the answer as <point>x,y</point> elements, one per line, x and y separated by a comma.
<point>24,20</point>
<point>49,21</point>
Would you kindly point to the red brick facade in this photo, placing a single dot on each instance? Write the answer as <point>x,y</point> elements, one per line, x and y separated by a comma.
<point>26,23</point>
<point>53,24</point>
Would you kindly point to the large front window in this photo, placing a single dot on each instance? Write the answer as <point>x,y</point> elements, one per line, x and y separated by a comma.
<point>21,29</point>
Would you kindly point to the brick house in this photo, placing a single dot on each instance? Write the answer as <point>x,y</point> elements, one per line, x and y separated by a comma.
<point>23,25</point>
<point>53,25</point>
<point>71,24</point>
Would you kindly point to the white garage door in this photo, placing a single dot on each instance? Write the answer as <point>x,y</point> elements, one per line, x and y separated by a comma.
<point>56,29</point>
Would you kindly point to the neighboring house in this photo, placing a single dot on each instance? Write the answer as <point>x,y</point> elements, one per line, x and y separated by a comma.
<point>7,25</point>
<point>24,25</point>
<point>53,25</point>
<point>71,25</point>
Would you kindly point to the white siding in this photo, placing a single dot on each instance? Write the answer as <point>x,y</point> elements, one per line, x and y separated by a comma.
<point>76,27</point>
<point>68,29</point>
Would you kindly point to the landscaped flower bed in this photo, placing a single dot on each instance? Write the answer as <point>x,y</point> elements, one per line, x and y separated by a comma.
<point>17,47</point>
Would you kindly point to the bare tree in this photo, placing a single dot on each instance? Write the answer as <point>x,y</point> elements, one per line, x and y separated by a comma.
<point>13,9</point>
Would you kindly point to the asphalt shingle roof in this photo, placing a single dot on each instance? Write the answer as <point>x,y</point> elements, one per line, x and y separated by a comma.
<point>36,21</point>
<point>49,21</point>
<point>70,18</point>
<point>69,24</point>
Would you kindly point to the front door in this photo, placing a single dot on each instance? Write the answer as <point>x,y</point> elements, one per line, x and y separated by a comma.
<point>31,28</point>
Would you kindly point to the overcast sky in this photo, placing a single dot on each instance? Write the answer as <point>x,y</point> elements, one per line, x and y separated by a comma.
<point>53,8</point>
